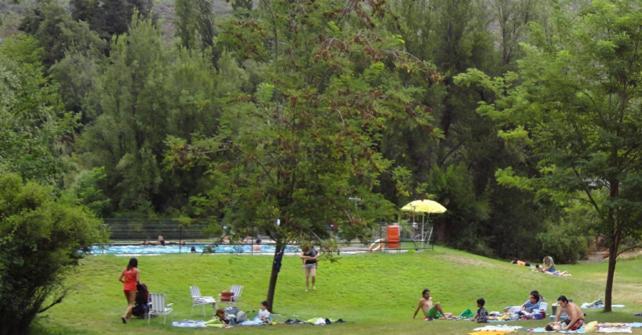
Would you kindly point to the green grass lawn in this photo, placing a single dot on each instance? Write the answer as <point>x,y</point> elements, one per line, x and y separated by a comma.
<point>373,292</point>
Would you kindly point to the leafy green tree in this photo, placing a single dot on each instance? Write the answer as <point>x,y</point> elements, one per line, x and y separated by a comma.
<point>40,242</point>
<point>76,75</point>
<point>575,104</point>
<point>57,32</point>
<point>145,92</point>
<point>110,17</point>
<point>86,189</point>
<point>194,23</point>
<point>306,141</point>
<point>240,5</point>
<point>513,17</point>
<point>34,127</point>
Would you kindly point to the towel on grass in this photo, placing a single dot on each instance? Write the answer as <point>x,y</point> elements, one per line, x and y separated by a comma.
<point>618,330</point>
<point>543,330</point>
<point>189,324</point>
<point>318,321</point>
<point>498,328</point>
<point>598,304</point>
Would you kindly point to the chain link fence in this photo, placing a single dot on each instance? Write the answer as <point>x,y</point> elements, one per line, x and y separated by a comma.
<point>211,235</point>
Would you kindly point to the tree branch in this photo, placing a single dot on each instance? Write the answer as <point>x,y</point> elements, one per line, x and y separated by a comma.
<point>587,191</point>
<point>55,302</point>
<point>637,246</point>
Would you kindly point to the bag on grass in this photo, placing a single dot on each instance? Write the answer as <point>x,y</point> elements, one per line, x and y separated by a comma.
<point>141,306</point>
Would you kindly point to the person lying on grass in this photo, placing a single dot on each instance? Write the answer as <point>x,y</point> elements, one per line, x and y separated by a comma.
<point>431,311</point>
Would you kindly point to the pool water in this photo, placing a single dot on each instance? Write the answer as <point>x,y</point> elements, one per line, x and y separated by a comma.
<point>175,249</point>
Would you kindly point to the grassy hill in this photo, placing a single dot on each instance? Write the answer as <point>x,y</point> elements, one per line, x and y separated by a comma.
<point>374,292</point>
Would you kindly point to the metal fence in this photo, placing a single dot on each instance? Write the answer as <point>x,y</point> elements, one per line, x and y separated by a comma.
<point>135,231</point>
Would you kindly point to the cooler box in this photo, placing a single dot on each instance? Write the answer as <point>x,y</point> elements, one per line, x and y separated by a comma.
<point>393,237</point>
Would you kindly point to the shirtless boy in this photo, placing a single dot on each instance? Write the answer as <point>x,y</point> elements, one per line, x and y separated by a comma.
<point>431,311</point>
<point>575,314</point>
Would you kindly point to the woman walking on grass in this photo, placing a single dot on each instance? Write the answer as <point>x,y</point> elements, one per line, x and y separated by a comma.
<point>130,277</point>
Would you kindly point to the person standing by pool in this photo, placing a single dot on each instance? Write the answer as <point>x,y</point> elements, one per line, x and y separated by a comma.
<point>256,247</point>
<point>130,277</point>
<point>309,257</point>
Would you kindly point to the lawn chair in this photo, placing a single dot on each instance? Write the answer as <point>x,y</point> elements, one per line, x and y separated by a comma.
<point>157,306</point>
<point>236,295</point>
<point>199,300</point>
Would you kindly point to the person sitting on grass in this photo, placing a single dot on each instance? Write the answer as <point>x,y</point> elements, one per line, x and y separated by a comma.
<point>548,267</point>
<point>264,314</point>
<point>575,319</point>
<point>532,308</point>
<point>482,313</point>
<point>431,311</point>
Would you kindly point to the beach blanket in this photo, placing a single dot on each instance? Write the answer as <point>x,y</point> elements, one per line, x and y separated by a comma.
<point>543,330</point>
<point>498,328</point>
<point>318,321</point>
<point>598,304</point>
<point>618,330</point>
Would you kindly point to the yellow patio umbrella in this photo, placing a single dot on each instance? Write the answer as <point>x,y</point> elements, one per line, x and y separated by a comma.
<point>424,206</point>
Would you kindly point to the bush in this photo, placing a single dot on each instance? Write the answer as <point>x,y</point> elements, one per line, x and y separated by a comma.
<point>564,242</point>
<point>40,239</point>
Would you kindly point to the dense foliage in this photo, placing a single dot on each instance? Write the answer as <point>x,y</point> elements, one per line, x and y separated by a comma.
<point>574,106</point>
<point>333,113</point>
<point>40,241</point>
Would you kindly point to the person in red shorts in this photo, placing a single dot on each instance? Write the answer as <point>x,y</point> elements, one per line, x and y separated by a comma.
<point>575,315</point>
<point>130,277</point>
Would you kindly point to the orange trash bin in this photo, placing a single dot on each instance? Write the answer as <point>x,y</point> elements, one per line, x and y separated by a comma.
<point>393,237</point>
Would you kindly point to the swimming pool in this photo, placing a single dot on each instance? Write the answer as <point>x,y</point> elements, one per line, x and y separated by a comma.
<point>139,249</point>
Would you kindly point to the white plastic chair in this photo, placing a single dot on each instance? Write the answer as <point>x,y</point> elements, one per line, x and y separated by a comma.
<point>199,300</point>
<point>157,306</point>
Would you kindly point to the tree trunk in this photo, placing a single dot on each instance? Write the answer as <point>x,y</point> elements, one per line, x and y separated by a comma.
<point>616,233</point>
<point>276,267</point>
<point>11,326</point>
<point>609,277</point>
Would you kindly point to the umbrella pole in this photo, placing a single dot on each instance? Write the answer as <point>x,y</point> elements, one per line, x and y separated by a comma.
<point>423,237</point>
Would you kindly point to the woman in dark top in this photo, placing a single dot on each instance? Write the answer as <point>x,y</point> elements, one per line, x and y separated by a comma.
<point>309,257</point>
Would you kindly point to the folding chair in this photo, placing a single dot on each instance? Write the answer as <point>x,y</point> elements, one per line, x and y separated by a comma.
<point>157,306</point>
<point>199,300</point>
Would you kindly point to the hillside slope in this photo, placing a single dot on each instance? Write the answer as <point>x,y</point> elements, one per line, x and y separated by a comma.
<point>372,291</point>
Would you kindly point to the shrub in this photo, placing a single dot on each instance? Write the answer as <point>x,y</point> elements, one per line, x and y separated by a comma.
<point>564,241</point>
<point>40,240</point>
